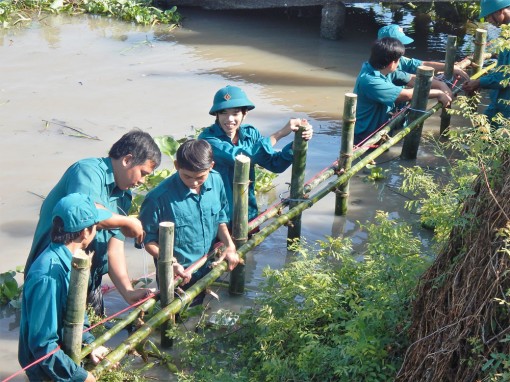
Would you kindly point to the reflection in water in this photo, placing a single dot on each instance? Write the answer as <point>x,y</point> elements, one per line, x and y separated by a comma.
<point>105,77</point>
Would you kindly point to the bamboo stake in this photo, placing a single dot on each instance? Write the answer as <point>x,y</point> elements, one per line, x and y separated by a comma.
<point>451,48</point>
<point>166,275</point>
<point>345,158</point>
<point>418,103</point>
<point>300,148</point>
<point>478,54</point>
<point>326,174</point>
<point>240,219</point>
<point>76,304</point>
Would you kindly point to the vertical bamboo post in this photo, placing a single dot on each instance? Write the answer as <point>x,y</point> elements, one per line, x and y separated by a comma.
<point>451,50</point>
<point>297,182</point>
<point>240,219</point>
<point>418,104</point>
<point>166,275</point>
<point>345,159</point>
<point>479,53</point>
<point>76,305</point>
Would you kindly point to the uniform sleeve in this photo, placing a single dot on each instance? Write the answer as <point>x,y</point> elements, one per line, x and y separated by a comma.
<point>149,216</point>
<point>87,337</point>
<point>493,80</point>
<point>256,147</point>
<point>89,180</point>
<point>410,65</point>
<point>224,216</point>
<point>43,328</point>
<point>400,78</point>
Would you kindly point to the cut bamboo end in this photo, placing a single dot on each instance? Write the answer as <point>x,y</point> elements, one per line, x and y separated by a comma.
<point>82,259</point>
<point>166,224</point>
<point>242,158</point>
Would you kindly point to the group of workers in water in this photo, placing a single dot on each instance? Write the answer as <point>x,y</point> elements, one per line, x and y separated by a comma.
<point>87,208</point>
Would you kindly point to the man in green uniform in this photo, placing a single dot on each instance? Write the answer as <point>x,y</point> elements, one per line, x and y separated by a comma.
<point>410,65</point>
<point>107,181</point>
<point>497,12</point>
<point>45,293</point>
<point>380,86</point>
<point>194,199</point>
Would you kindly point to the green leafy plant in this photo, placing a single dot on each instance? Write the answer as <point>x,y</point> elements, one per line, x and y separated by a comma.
<point>264,180</point>
<point>376,173</point>
<point>10,290</point>
<point>334,317</point>
<point>13,12</point>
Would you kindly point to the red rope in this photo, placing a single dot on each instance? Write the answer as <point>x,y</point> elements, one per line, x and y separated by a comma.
<point>32,364</point>
<point>359,145</point>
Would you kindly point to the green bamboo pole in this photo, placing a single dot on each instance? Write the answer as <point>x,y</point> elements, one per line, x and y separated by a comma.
<point>240,219</point>
<point>300,148</point>
<point>419,101</point>
<point>345,158</point>
<point>133,315</point>
<point>166,274</point>
<point>479,53</point>
<point>451,49</point>
<point>76,304</point>
<point>157,320</point>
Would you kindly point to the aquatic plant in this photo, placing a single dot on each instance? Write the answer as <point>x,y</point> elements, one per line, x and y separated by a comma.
<point>10,290</point>
<point>14,12</point>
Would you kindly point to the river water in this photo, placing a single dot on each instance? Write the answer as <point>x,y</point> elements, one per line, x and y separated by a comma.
<point>104,77</point>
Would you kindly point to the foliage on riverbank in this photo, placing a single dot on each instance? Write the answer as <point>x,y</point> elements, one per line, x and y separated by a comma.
<point>14,12</point>
<point>326,316</point>
<point>460,318</point>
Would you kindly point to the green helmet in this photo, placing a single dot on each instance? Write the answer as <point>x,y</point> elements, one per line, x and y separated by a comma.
<point>490,6</point>
<point>230,97</point>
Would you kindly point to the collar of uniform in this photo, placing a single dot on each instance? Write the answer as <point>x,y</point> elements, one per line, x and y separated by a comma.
<point>218,131</point>
<point>63,253</point>
<point>113,190</point>
<point>185,190</point>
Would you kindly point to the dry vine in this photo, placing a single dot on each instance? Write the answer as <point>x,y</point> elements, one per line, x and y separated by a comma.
<point>457,321</point>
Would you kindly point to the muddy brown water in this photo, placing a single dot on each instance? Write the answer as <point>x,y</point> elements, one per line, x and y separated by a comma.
<point>104,77</point>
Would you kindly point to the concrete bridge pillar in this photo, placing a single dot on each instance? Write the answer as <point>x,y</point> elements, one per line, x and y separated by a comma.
<point>333,20</point>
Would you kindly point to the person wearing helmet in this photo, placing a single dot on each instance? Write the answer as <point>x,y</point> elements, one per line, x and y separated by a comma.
<point>496,12</point>
<point>229,137</point>
<point>410,65</point>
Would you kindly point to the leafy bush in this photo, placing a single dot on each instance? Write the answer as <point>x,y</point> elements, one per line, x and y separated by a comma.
<point>325,317</point>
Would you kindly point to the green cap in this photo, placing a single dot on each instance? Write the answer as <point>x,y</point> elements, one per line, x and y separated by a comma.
<point>78,212</point>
